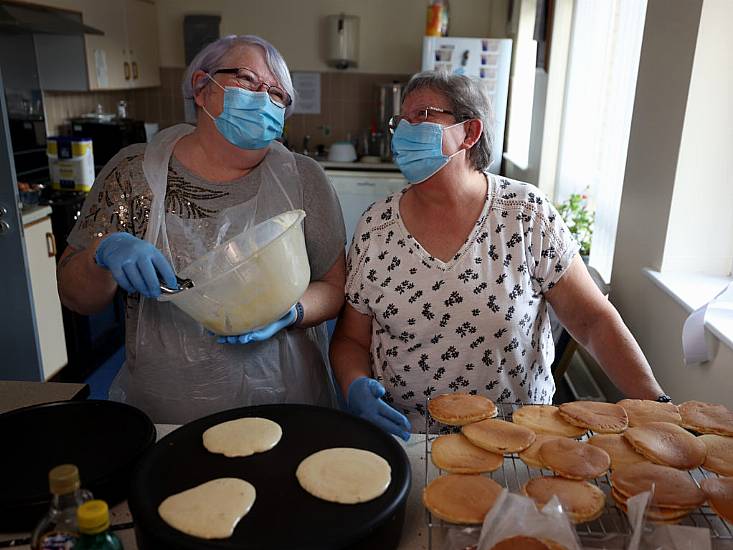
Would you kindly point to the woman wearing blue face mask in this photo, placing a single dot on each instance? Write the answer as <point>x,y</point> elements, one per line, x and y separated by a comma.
<point>448,281</point>
<point>155,208</point>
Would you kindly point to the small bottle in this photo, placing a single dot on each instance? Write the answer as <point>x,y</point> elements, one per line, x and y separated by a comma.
<point>93,519</point>
<point>58,529</point>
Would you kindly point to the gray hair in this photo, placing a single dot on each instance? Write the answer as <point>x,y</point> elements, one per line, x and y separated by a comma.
<point>210,58</point>
<point>468,101</point>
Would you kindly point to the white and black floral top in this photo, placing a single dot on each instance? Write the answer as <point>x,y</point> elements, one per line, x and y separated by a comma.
<point>477,323</point>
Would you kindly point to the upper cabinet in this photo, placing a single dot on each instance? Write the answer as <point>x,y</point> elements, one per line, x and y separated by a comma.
<point>127,56</point>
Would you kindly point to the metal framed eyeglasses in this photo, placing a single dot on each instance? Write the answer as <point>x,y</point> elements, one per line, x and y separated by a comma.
<point>248,79</point>
<point>416,116</point>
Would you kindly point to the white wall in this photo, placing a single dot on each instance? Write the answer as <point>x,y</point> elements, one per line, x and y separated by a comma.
<point>390,30</point>
<point>656,146</point>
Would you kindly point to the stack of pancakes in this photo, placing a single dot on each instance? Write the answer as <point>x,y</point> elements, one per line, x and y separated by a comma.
<point>641,442</point>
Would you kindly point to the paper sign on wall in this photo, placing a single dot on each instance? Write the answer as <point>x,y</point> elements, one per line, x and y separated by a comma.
<point>308,87</point>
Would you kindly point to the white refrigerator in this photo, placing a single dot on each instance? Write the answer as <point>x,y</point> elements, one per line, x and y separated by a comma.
<point>487,59</point>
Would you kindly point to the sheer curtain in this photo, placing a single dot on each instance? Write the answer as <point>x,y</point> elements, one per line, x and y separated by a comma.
<point>603,62</point>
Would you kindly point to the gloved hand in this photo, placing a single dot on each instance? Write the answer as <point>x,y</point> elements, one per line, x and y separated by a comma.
<point>136,265</point>
<point>264,333</point>
<point>364,400</point>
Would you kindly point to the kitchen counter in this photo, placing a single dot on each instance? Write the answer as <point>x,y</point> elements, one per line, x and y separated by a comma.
<point>34,213</point>
<point>414,533</point>
<point>360,166</point>
<point>14,395</point>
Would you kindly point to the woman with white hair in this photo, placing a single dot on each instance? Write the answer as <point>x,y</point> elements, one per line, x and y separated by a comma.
<point>448,280</point>
<point>157,207</point>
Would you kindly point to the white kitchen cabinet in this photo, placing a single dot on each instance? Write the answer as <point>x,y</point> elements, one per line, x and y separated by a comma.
<point>127,56</point>
<point>357,190</point>
<point>41,251</point>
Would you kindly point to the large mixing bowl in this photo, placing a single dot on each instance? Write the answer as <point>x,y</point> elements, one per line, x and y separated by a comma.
<point>250,280</point>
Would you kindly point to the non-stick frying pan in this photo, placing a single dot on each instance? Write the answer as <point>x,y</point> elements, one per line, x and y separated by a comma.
<point>104,439</point>
<point>283,515</point>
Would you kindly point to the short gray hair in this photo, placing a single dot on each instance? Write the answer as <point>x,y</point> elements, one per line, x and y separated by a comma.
<point>210,58</point>
<point>468,100</point>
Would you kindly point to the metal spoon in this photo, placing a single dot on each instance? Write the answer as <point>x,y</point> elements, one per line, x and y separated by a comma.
<point>183,284</point>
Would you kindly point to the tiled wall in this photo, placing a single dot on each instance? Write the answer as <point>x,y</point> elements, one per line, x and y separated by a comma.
<point>349,103</point>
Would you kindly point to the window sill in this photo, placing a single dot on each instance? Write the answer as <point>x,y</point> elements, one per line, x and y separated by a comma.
<point>693,290</point>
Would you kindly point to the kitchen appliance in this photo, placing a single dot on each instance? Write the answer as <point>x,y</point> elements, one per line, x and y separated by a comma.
<point>249,281</point>
<point>342,151</point>
<point>358,189</point>
<point>108,135</point>
<point>390,103</point>
<point>486,59</point>
<point>104,439</point>
<point>283,515</point>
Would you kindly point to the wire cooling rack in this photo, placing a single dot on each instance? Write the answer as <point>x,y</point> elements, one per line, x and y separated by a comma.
<point>514,473</point>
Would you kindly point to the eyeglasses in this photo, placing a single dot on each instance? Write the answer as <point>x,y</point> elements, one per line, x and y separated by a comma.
<point>416,116</point>
<point>248,79</point>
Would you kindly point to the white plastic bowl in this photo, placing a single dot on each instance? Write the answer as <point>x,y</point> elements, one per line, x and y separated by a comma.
<point>342,151</point>
<point>249,281</point>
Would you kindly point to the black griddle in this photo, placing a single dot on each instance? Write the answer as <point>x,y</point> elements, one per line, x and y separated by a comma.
<point>104,439</point>
<point>283,515</point>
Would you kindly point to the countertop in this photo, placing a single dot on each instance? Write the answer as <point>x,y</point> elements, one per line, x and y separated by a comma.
<point>34,213</point>
<point>360,166</point>
<point>14,395</point>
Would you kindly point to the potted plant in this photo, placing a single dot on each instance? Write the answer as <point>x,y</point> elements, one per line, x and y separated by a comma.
<point>579,218</point>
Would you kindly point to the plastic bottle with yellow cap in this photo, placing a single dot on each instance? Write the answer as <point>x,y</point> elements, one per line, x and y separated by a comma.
<point>58,529</point>
<point>93,519</point>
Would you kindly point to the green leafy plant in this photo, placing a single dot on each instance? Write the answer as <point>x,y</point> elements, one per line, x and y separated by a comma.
<point>579,218</point>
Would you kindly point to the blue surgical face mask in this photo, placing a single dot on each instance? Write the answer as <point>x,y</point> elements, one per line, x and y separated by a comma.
<point>249,120</point>
<point>418,149</point>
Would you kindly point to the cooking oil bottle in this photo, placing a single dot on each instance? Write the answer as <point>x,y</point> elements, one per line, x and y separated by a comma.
<point>58,529</point>
<point>93,520</point>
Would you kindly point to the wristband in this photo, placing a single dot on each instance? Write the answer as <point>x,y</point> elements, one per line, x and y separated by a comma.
<point>664,398</point>
<point>299,313</point>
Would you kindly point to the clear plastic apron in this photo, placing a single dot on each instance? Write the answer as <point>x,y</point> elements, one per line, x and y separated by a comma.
<point>177,372</point>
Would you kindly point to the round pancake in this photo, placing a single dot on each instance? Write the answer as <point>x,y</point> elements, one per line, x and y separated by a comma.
<point>642,411</point>
<point>620,451</point>
<point>454,453</point>
<point>707,418</point>
<point>672,488</point>
<point>719,454</point>
<point>344,475</point>
<point>580,500</point>
<point>653,513</point>
<point>574,459</point>
<point>499,436</point>
<point>667,444</point>
<point>242,437</point>
<point>461,499</point>
<point>457,409</point>
<point>522,542</point>
<point>720,496</point>
<point>545,419</point>
<point>530,456</point>
<point>604,418</point>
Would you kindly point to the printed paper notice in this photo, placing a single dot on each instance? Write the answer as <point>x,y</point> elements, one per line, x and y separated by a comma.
<point>100,67</point>
<point>308,89</point>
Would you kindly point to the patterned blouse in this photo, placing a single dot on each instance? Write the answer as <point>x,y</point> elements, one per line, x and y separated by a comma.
<point>478,323</point>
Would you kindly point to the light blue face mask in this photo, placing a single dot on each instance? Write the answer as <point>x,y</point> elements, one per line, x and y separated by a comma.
<point>418,149</point>
<point>249,120</point>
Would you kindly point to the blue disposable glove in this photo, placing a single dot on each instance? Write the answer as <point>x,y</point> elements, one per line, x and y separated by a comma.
<point>265,332</point>
<point>364,400</point>
<point>136,265</point>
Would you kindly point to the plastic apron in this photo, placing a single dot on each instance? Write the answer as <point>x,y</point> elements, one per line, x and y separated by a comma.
<point>176,371</point>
